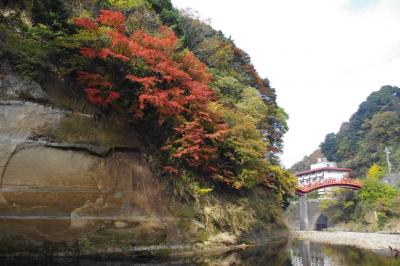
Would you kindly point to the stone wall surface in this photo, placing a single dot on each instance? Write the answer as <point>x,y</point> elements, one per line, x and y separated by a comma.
<point>88,189</point>
<point>305,214</point>
<point>67,178</point>
<point>75,184</point>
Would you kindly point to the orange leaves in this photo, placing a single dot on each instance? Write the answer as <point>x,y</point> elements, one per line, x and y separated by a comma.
<point>106,52</point>
<point>103,54</point>
<point>93,79</point>
<point>187,94</point>
<point>101,98</point>
<point>114,19</point>
<point>168,102</point>
<point>86,23</point>
<point>200,92</point>
<point>195,144</point>
<point>222,131</point>
<point>171,71</point>
<point>196,69</point>
<point>120,43</point>
<point>170,170</point>
<point>88,52</point>
<point>191,144</point>
<point>165,44</point>
<point>99,89</point>
<point>147,82</point>
<point>165,80</point>
<point>160,100</point>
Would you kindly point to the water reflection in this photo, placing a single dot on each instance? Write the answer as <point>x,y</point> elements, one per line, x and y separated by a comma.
<point>278,253</point>
<point>306,253</point>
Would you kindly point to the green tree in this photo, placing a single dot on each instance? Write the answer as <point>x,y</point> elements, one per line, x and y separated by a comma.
<point>126,4</point>
<point>329,147</point>
<point>252,105</point>
<point>376,192</point>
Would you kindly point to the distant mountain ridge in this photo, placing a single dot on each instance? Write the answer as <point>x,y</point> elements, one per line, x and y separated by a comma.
<point>307,161</point>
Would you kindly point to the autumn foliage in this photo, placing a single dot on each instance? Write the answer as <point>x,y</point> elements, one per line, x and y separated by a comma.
<point>156,76</point>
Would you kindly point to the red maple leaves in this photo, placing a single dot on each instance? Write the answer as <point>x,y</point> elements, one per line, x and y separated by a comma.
<point>174,83</point>
<point>114,19</point>
<point>99,90</point>
<point>101,98</point>
<point>86,23</point>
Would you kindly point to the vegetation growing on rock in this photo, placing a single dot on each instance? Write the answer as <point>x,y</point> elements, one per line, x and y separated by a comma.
<point>209,123</point>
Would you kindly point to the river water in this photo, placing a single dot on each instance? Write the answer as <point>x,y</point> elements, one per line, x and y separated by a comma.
<point>282,253</point>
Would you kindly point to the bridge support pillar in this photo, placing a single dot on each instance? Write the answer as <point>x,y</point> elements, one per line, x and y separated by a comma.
<point>303,213</point>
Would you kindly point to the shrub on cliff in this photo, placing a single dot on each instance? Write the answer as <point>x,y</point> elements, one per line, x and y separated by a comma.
<point>147,76</point>
<point>215,119</point>
<point>153,77</point>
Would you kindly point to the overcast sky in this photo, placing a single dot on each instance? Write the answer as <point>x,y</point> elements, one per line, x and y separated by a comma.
<point>323,57</point>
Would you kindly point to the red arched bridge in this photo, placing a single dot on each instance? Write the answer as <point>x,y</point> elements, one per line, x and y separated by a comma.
<point>339,182</point>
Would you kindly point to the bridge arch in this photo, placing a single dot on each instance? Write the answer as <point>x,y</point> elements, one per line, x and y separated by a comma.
<point>344,182</point>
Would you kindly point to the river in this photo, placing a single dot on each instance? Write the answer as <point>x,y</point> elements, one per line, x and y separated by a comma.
<point>281,253</point>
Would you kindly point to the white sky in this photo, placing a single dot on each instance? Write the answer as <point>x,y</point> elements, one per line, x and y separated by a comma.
<point>323,57</point>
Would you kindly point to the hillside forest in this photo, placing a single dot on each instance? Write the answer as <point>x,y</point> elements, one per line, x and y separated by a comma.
<point>368,143</point>
<point>208,119</point>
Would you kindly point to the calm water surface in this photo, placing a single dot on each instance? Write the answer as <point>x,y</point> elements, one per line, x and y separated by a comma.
<point>298,253</point>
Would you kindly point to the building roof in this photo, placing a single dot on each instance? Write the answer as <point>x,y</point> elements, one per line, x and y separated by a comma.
<point>324,169</point>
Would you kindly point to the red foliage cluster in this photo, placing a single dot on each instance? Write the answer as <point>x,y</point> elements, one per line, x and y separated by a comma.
<point>93,80</point>
<point>98,97</point>
<point>86,23</point>
<point>88,52</point>
<point>99,90</point>
<point>176,87</point>
<point>193,147</point>
<point>113,19</point>
<point>106,52</point>
<point>195,68</point>
<point>170,170</point>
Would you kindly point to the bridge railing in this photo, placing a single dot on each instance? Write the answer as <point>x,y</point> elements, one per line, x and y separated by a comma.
<point>333,182</point>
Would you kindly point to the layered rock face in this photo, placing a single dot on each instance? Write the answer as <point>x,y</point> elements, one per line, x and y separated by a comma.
<point>66,178</point>
<point>73,184</point>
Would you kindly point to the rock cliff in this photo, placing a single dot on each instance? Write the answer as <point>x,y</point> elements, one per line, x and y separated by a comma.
<point>189,164</point>
<point>85,187</point>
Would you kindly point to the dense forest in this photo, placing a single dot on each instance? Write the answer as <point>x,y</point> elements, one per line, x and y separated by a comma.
<point>361,141</point>
<point>193,96</point>
<point>360,144</point>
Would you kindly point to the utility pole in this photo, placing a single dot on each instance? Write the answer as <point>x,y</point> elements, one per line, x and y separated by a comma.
<point>389,164</point>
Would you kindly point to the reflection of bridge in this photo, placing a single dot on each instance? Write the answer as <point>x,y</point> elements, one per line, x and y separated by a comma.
<point>344,182</point>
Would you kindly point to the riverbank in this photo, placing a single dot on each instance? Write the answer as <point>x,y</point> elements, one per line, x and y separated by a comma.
<point>371,241</point>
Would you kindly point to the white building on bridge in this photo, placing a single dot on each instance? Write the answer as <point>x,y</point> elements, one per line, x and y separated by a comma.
<point>322,170</point>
